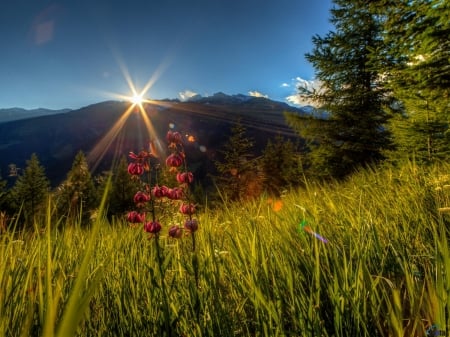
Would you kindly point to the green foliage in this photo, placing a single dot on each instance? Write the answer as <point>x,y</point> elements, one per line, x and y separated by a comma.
<point>80,294</point>
<point>3,193</point>
<point>385,271</point>
<point>77,194</point>
<point>236,168</point>
<point>385,80</point>
<point>354,132</point>
<point>314,131</point>
<point>280,164</point>
<point>417,49</point>
<point>122,190</point>
<point>30,191</point>
<point>47,278</point>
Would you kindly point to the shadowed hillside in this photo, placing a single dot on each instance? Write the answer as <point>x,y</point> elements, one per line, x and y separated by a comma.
<point>204,122</point>
<point>12,114</point>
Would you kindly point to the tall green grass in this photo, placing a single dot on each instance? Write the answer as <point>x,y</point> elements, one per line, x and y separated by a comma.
<point>385,270</point>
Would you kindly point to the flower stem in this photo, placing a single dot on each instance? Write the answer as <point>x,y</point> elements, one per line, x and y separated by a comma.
<point>167,326</point>
<point>193,241</point>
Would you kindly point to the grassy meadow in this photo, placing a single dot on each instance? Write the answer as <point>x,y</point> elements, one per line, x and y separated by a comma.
<point>384,269</point>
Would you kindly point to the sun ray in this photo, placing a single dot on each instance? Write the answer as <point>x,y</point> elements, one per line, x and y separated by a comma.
<point>127,77</point>
<point>151,131</point>
<point>158,72</point>
<point>101,148</point>
<point>137,101</point>
<point>140,105</point>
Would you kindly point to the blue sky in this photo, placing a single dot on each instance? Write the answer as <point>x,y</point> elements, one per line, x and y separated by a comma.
<point>72,53</point>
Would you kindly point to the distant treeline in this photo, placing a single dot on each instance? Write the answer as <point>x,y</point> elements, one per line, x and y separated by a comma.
<point>238,175</point>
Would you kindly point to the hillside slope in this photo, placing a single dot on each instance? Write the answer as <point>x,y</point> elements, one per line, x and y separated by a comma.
<point>57,138</point>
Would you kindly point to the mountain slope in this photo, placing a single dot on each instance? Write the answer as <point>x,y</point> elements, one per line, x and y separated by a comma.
<point>205,123</point>
<point>12,114</point>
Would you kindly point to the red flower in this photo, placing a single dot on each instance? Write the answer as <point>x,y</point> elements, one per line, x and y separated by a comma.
<point>175,232</point>
<point>160,191</point>
<point>141,198</point>
<point>187,209</point>
<point>135,169</point>
<point>185,177</point>
<point>152,227</point>
<point>157,192</point>
<point>140,156</point>
<point>173,137</point>
<point>174,160</point>
<point>191,225</point>
<point>135,217</point>
<point>175,193</point>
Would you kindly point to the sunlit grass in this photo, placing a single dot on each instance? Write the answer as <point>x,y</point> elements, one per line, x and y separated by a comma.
<point>385,270</point>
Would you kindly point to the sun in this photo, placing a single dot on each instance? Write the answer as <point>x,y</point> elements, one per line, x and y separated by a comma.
<point>137,99</point>
<point>138,105</point>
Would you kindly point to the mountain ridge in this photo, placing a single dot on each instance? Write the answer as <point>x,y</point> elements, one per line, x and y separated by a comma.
<point>16,113</point>
<point>57,138</point>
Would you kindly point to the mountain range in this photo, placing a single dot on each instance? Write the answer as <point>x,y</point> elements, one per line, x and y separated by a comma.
<point>104,131</point>
<point>11,114</point>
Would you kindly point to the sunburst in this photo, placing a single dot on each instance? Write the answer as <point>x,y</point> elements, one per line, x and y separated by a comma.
<point>137,99</point>
<point>137,102</point>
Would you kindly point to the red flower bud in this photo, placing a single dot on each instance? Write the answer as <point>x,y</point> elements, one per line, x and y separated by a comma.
<point>173,137</point>
<point>187,209</point>
<point>152,227</point>
<point>135,169</point>
<point>191,225</point>
<point>160,191</point>
<point>175,193</point>
<point>157,192</point>
<point>165,190</point>
<point>175,232</point>
<point>140,156</point>
<point>185,177</point>
<point>135,217</point>
<point>141,198</point>
<point>174,160</point>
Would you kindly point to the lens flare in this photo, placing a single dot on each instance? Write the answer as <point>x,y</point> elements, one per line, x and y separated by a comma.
<point>101,148</point>
<point>137,102</point>
<point>136,99</point>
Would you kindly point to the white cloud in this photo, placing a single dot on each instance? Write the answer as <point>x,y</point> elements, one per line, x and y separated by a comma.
<point>185,95</point>
<point>257,94</point>
<point>309,85</point>
<point>285,85</point>
<point>303,88</point>
<point>295,99</point>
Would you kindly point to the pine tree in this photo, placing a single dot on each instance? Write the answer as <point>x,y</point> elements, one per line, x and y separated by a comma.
<point>416,34</point>
<point>3,194</point>
<point>122,190</point>
<point>237,167</point>
<point>3,190</point>
<point>30,191</point>
<point>353,133</point>
<point>280,164</point>
<point>3,206</point>
<point>77,194</point>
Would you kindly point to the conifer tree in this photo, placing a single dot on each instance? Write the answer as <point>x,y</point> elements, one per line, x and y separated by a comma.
<point>77,194</point>
<point>353,133</point>
<point>417,36</point>
<point>236,163</point>
<point>4,196</point>
<point>280,164</point>
<point>122,190</point>
<point>30,191</point>
<point>3,190</point>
